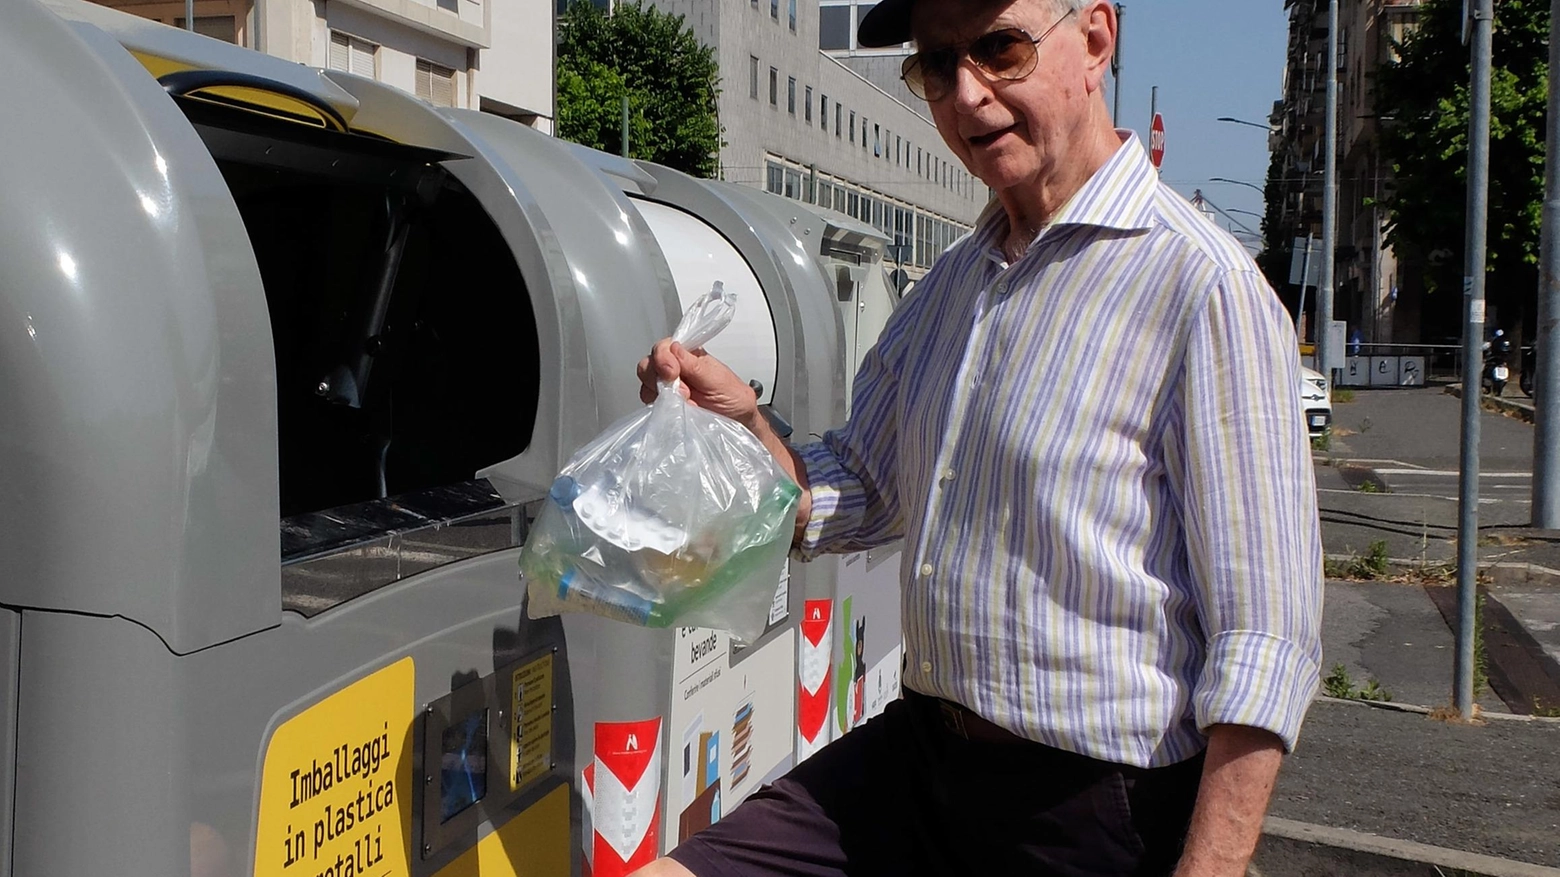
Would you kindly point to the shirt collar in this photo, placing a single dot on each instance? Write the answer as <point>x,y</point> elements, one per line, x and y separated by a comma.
<point>1118,196</point>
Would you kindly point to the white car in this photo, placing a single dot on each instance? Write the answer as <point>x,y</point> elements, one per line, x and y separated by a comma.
<point>1315,401</point>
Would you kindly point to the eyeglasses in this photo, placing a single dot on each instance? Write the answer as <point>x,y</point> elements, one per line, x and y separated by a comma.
<point>1009,53</point>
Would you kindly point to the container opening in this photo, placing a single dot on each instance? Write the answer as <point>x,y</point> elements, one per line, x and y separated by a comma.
<point>406,353</point>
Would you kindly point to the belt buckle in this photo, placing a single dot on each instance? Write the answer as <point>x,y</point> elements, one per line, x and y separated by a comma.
<point>953,718</point>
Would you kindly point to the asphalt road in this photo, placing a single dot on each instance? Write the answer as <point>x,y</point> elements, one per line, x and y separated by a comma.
<point>1422,427</point>
<point>1408,441</point>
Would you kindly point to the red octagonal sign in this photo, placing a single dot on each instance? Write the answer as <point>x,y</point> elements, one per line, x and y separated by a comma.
<point>1156,140</point>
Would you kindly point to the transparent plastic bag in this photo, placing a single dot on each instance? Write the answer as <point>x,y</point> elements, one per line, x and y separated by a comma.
<point>672,516</point>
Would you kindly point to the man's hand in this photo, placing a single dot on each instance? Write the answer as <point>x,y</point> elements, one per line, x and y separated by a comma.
<point>1238,776</point>
<point>708,382</point>
<point>713,386</point>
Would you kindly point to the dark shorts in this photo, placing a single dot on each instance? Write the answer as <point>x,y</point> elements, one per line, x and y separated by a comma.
<point>907,794</point>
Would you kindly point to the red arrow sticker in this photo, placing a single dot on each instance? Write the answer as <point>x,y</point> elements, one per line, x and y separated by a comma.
<point>627,796</point>
<point>814,670</point>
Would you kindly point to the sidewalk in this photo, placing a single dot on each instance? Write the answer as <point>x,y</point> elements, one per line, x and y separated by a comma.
<point>1387,790</point>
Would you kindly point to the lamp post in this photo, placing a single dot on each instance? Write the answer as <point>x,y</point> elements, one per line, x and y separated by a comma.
<point>1115,67</point>
<point>1238,183</point>
<point>1324,288</point>
<point>1268,128</point>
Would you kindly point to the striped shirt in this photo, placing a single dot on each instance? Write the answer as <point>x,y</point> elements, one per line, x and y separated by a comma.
<point>1097,460</point>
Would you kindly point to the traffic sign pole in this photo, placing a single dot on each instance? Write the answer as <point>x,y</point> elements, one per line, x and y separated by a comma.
<point>1156,141</point>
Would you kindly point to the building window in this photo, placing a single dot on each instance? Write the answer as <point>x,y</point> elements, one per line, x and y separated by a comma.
<point>793,16</point>
<point>774,9</point>
<point>823,113</point>
<point>352,55</point>
<point>790,95</point>
<point>218,27</point>
<point>793,184</point>
<point>774,87</point>
<point>753,77</point>
<point>776,178</point>
<point>863,133</point>
<point>834,27</point>
<point>435,83</point>
<point>853,128</point>
<point>838,114</point>
<point>807,104</point>
<point>877,141</point>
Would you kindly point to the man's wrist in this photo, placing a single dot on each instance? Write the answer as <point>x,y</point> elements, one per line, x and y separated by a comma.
<point>756,423</point>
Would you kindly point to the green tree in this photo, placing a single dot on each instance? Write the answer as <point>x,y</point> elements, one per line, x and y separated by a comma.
<point>1423,102</point>
<point>670,78</point>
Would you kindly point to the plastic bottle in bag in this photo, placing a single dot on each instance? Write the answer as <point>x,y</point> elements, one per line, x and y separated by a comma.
<point>672,516</point>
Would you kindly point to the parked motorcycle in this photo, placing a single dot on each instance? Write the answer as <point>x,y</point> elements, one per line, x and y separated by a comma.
<point>1497,371</point>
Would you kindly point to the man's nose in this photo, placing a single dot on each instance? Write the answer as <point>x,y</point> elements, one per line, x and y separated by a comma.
<point>971,86</point>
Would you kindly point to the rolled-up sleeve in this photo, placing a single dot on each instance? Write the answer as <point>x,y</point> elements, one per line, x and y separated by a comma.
<point>1254,540</point>
<point>851,472</point>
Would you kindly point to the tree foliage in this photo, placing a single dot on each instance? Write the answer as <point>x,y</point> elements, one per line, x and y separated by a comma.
<point>670,78</point>
<point>1423,102</point>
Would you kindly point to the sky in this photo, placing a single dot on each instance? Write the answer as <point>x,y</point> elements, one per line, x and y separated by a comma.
<point>1210,58</point>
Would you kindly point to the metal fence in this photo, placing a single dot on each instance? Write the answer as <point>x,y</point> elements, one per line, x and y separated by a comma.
<point>1397,365</point>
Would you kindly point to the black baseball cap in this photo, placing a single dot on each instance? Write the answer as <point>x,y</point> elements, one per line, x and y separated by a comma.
<point>888,24</point>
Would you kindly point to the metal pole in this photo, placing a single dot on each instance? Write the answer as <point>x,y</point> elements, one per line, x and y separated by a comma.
<point>1546,366</point>
<point>1324,288</point>
<point>1153,108</point>
<point>625,126</point>
<point>1305,279</point>
<point>189,15</point>
<point>1473,355</point>
<point>1115,67</point>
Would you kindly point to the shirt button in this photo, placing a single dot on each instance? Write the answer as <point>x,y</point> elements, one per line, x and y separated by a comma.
<point>1002,288</point>
<point>947,475</point>
<point>926,666</point>
<point>926,570</point>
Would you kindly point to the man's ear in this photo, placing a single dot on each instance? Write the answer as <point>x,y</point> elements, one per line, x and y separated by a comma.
<point>1099,22</point>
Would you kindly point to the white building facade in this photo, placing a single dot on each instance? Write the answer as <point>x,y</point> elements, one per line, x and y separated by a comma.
<point>802,124</point>
<point>492,55</point>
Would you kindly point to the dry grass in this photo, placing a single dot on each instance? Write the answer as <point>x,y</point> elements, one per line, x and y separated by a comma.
<point>1452,716</point>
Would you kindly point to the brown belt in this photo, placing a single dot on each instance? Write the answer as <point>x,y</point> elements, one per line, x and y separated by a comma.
<point>960,720</point>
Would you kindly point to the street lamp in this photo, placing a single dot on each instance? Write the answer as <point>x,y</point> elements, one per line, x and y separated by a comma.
<point>1238,183</point>
<point>1268,128</point>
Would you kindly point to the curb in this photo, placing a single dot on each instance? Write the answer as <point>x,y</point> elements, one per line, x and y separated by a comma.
<point>1519,410</point>
<point>1290,847</point>
<point>1394,706</point>
<point>1503,572</point>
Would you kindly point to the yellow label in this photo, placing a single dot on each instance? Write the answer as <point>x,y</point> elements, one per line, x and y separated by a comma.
<point>533,844</point>
<point>336,788</point>
<point>531,709</point>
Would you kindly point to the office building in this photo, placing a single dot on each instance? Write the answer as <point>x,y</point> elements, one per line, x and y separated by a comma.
<point>492,55</point>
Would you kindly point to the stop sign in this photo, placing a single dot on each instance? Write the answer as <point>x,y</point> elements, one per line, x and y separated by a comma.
<point>1156,140</point>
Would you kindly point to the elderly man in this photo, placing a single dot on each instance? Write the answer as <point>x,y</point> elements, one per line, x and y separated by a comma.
<point>1112,589</point>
